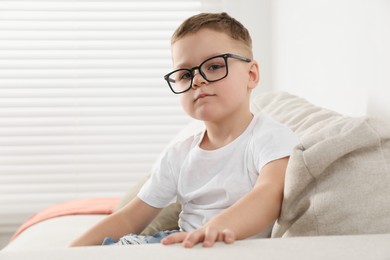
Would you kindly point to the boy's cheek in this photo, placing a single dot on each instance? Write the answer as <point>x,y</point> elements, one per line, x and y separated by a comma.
<point>186,98</point>
<point>185,102</point>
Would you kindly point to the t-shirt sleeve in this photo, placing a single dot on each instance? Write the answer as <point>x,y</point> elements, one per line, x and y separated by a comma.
<point>160,190</point>
<point>273,142</point>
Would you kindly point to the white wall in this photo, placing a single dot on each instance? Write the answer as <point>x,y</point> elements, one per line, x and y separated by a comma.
<point>332,52</point>
<point>379,97</point>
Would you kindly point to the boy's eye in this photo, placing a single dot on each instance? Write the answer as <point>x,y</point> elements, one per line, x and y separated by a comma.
<point>215,67</point>
<point>184,76</point>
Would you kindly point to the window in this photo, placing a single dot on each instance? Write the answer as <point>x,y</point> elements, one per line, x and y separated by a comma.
<point>84,109</point>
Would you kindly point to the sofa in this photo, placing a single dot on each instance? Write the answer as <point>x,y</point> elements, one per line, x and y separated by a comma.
<point>336,198</point>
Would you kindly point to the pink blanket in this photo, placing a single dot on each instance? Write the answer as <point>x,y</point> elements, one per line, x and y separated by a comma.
<point>74,207</point>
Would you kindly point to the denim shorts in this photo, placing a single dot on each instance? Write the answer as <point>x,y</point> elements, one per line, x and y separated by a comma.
<point>134,239</point>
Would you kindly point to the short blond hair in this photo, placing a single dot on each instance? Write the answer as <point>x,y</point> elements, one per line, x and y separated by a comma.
<point>221,22</point>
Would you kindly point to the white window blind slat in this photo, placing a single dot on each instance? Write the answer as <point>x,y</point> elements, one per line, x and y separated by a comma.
<point>158,6</point>
<point>80,140</point>
<point>107,44</point>
<point>45,181</point>
<point>85,54</point>
<point>48,149</point>
<point>44,173</point>
<point>84,64</point>
<point>84,35</point>
<point>118,15</point>
<point>95,121</point>
<point>88,25</point>
<point>79,92</point>
<point>84,109</point>
<point>80,83</point>
<point>82,73</point>
<point>88,130</point>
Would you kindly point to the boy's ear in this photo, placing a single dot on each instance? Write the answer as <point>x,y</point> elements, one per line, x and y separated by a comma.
<point>254,75</point>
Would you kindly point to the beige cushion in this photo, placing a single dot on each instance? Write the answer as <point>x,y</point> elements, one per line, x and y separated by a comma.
<point>295,112</point>
<point>338,178</point>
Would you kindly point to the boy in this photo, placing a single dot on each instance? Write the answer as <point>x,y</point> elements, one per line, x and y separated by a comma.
<point>228,178</point>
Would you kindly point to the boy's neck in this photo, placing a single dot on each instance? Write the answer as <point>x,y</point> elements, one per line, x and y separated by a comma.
<point>219,134</point>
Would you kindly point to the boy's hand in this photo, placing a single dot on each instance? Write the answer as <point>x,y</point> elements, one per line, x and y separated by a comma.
<point>207,235</point>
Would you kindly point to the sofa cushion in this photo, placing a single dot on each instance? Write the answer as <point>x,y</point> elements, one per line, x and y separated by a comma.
<point>338,178</point>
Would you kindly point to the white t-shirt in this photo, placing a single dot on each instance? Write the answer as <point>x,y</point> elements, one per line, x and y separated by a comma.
<point>206,182</point>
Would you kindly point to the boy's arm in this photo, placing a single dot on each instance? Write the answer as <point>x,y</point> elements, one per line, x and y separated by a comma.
<point>132,218</point>
<point>247,217</point>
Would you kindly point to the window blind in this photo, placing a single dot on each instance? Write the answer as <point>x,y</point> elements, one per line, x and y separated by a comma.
<point>84,110</point>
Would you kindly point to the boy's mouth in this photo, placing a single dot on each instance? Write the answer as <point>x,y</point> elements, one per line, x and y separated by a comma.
<point>202,95</point>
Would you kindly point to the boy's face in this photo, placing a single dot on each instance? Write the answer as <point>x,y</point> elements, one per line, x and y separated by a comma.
<point>215,101</point>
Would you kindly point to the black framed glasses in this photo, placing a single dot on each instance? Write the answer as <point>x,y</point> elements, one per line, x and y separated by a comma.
<point>212,69</point>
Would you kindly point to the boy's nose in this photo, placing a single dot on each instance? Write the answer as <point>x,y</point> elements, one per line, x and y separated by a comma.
<point>198,80</point>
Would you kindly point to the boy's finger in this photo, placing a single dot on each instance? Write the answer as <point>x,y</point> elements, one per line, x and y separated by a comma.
<point>174,238</point>
<point>193,238</point>
<point>228,236</point>
<point>211,235</point>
